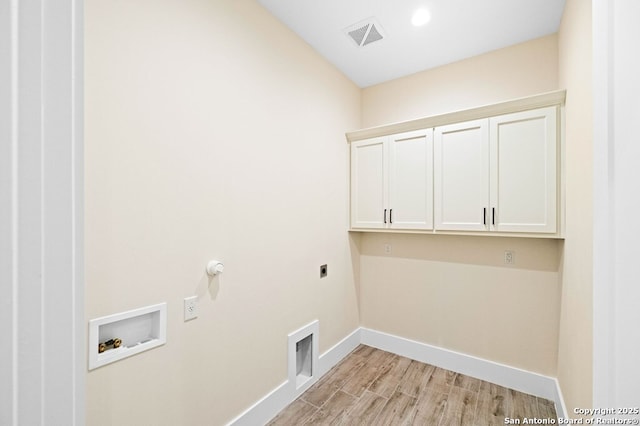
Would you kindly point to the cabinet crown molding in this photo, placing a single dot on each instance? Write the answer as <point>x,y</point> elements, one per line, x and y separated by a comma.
<point>521,104</point>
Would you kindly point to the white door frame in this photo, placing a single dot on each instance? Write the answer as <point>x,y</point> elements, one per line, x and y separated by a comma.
<point>602,215</point>
<point>43,355</point>
<point>616,336</point>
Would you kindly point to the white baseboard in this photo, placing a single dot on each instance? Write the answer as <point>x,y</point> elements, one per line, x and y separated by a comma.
<point>265,409</point>
<point>338,352</point>
<point>561,408</point>
<point>514,378</point>
<point>500,374</point>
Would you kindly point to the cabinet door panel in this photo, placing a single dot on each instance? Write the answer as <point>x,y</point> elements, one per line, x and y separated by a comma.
<point>523,171</point>
<point>411,180</point>
<point>368,183</point>
<point>461,176</point>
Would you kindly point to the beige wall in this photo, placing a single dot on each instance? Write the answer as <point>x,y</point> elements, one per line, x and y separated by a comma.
<point>505,74</point>
<point>575,346</point>
<point>212,132</point>
<point>454,291</point>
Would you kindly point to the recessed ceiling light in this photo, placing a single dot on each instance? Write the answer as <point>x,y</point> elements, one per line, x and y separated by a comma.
<point>420,17</point>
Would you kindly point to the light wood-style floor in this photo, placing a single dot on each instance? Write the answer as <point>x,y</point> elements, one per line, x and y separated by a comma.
<point>374,387</point>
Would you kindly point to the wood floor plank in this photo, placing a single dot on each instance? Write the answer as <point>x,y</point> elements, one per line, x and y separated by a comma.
<point>296,413</point>
<point>415,378</point>
<point>320,392</point>
<point>492,409</point>
<point>440,380</point>
<point>430,407</point>
<point>461,408</point>
<point>374,363</point>
<point>335,409</point>
<point>390,376</point>
<point>366,409</point>
<point>363,350</point>
<point>466,382</point>
<point>547,409</point>
<point>523,405</point>
<point>500,396</point>
<point>493,389</point>
<point>397,411</point>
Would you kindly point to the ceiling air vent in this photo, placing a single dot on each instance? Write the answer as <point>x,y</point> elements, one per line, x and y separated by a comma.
<point>365,32</point>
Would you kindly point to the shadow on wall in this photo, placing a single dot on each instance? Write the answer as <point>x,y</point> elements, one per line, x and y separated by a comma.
<point>538,254</point>
<point>355,252</point>
<point>208,284</point>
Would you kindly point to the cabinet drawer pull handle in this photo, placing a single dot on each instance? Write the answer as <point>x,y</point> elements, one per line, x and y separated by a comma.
<point>391,216</point>
<point>385,215</point>
<point>493,215</point>
<point>484,216</point>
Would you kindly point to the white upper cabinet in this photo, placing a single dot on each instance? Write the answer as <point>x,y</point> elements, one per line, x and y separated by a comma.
<point>492,169</point>
<point>461,176</point>
<point>524,171</point>
<point>392,182</point>
<point>497,174</point>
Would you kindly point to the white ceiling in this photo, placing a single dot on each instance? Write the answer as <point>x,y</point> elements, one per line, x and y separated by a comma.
<point>458,29</point>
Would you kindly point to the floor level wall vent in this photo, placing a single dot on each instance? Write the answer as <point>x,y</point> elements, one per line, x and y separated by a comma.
<point>303,356</point>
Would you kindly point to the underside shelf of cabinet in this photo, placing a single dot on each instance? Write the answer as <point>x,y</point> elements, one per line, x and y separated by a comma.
<point>554,236</point>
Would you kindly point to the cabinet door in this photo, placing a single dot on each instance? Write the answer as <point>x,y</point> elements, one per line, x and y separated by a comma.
<point>523,171</point>
<point>461,176</point>
<point>411,180</point>
<point>369,165</point>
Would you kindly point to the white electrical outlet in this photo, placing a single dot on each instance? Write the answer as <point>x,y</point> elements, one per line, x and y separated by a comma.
<point>387,248</point>
<point>190,308</point>
<point>509,257</point>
